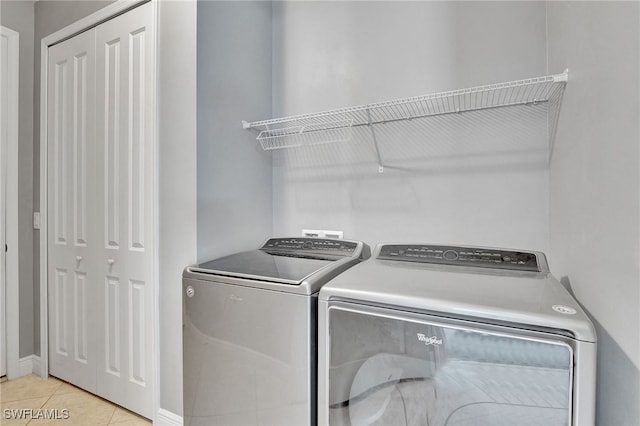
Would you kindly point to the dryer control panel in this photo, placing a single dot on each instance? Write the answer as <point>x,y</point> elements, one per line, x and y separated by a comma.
<point>460,256</point>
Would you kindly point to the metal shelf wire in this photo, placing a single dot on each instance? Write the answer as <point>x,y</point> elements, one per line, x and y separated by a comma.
<point>306,134</point>
<point>334,125</point>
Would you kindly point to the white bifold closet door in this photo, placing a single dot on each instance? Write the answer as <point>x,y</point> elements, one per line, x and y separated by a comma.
<point>101,210</point>
<point>72,240</point>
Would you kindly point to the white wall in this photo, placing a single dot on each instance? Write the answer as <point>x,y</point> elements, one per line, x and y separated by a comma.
<point>480,179</point>
<point>595,187</point>
<point>234,84</point>
<point>19,16</point>
<point>177,183</point>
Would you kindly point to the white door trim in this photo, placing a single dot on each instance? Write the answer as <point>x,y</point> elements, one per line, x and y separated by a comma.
<point>90,21</point>
<point>10,309</point>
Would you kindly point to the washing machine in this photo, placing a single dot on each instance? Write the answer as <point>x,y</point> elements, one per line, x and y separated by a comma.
<point>439,335</point>
<point>249,331</point>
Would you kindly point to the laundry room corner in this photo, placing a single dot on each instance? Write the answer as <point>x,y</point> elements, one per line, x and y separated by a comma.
<point>235,206</point>
<point>175,167</point>
<point>595,187</point>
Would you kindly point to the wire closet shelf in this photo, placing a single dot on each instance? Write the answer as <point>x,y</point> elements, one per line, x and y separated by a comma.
<point>334,125</point>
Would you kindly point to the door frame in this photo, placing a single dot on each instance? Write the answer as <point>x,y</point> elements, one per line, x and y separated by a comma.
<point>112,10</point>
<point>11,330</point>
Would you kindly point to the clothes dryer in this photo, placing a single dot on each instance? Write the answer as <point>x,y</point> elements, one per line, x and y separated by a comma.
<point>249,331</point>
<point>446,335</point>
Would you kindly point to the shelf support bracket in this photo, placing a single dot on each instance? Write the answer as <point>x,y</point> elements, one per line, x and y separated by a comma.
<point>375,141</point>
<point>564,77</point>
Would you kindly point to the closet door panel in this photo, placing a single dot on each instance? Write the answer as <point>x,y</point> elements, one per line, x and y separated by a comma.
<point>126,171</point>
<point>71,203</point>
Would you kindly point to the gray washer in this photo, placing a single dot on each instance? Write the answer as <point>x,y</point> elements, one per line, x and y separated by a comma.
<point>249,331</point>
<point>449,335</point>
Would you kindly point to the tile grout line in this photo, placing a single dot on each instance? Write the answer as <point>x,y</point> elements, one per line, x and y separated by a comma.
<point>87,393</point>
<point>45,402</point>
<point>112,414</point>
<point>97,397</point>
<point>60,384</point>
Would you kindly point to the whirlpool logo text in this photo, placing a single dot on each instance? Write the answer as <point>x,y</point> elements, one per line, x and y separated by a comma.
<point>433,340</point>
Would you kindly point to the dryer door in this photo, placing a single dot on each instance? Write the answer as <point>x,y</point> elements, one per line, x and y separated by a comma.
<point>388,367</point>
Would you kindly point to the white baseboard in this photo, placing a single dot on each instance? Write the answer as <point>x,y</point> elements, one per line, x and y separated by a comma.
<point>167,418</point>
<point>29,365</point>
<point>36,365</point>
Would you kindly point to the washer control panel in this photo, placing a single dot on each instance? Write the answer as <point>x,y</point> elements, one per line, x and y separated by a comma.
<point>461,256</point>
<point>315,245</point>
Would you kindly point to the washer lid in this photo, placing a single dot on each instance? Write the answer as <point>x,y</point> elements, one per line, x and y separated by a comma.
<point>283,260</point>
<point>262,265</point>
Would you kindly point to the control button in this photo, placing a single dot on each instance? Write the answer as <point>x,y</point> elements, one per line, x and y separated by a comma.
<point>450,255</point>
<point>190,291</point>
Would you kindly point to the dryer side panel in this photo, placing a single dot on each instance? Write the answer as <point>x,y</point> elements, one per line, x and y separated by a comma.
<point>246,355</point>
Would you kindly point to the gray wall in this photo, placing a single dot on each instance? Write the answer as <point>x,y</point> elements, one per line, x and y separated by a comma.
<point>480,178</point>
<point>19,16</point>
<point>234,83</point>
<point>595,187</point>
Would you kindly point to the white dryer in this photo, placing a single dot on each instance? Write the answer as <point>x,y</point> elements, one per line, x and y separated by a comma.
<point>445,335</point>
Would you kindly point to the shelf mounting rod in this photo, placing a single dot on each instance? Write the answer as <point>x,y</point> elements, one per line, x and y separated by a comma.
<point>375,141</point>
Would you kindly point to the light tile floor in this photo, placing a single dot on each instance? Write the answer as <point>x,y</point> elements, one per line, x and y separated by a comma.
<point>29,400</point>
